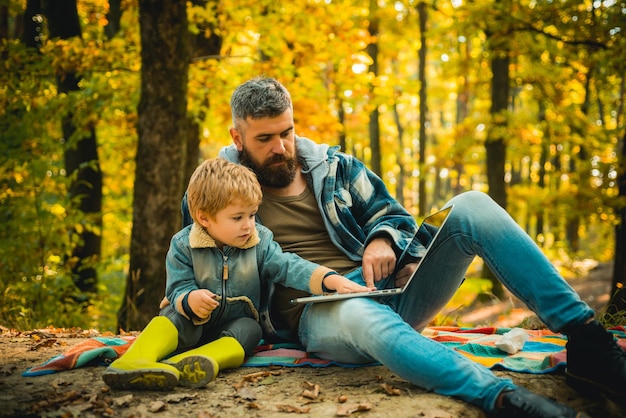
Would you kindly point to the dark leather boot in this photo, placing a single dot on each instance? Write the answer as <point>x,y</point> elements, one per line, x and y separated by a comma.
<point>524,403</point>
<point>595,362</point>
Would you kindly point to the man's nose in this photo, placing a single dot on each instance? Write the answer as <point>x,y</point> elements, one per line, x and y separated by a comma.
<point>278,146</point>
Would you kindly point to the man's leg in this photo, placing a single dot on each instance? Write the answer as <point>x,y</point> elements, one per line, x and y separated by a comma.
<point>479,227</point>
<point>362,330</point>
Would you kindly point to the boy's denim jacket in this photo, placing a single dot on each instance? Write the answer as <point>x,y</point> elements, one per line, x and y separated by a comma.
<point>236,275</point>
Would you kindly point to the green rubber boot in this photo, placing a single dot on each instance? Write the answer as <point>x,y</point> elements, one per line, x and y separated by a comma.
<point>201,365</point>
<point>139,367</point>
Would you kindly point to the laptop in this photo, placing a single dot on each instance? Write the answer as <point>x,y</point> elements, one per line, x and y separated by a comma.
<point>426,234</point>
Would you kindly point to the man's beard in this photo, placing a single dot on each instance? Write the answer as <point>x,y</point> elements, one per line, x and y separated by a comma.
<point>268,175</point>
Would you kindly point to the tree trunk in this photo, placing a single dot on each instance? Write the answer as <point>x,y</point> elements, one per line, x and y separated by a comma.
<point>618,284</point>
<point>113,18</point>
<point>399,154</point>
<point>161,156</point>
<point>423,15</point>
<point>495,144</point>
<point>206,43</point>
<point>374,121</point>
<point>31,26</point>
<point>81,159</point>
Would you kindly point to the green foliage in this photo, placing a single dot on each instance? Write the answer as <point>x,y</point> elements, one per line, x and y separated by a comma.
<point>613,320</point>
<point>562,127</point>
<point>36,237</point>
<point>472,289</point>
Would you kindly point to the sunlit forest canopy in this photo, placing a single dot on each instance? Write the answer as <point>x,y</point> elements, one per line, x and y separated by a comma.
<point>409,87</point>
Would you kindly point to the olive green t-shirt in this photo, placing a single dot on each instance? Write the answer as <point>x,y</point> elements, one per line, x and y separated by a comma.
<point>298,227</point>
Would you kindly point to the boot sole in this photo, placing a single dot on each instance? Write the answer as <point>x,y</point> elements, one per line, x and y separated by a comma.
<point>195,371</point>
<point>588,386</point>
<point>157,379</point>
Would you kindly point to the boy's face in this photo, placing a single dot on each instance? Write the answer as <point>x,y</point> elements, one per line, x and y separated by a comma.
<point>232,225</point>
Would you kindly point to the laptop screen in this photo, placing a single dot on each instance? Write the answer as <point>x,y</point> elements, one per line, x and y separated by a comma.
<point>425,236</point>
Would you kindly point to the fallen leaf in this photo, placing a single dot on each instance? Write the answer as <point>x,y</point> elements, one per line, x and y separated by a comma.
<point>293,409</point>
<point>390,390</point>
<point>56,400</point>
<point>255,377</point>
<point>204,414</point>
<point>269,380</point>
<point>348,409</point>
<point>157,406</point>
<point>122,400</point>
<point>311,390</point>
<point>246,393</point>
<point>179,397</point>
<point>47,343</point>
<point>60,382</point>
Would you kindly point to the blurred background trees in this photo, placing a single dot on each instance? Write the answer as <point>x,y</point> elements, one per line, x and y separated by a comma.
<point>105,111</point>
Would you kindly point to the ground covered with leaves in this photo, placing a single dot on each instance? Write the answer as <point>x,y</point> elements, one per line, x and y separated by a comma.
<point>264,392</point>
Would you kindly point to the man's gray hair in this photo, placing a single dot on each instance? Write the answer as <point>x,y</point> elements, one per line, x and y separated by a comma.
<point>260,97</point>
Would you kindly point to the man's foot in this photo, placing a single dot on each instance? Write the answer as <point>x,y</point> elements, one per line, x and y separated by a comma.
<point>524,403</point>
<point>595,362</point>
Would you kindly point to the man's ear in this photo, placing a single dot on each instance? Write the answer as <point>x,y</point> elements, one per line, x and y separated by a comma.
<point>237,140</point>
<point>203,218</point>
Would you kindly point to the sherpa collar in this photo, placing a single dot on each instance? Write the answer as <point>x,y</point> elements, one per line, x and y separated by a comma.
<point>199,238</point>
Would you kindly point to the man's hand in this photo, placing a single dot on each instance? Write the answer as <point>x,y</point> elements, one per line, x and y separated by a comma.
<point>202,302</point>
<point>379,261</point>
<point>342,284</point>
<point>404,274</point>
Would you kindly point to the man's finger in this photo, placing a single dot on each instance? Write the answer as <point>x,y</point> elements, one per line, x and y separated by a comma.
<point>368,275</point>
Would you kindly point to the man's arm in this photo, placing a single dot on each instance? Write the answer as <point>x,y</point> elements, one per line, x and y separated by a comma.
<point>184,208</point>
<point>386,226</point>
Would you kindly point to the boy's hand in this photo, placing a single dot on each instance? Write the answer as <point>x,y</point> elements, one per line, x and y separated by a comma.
<point>341,284</point>
<point>202,302</point>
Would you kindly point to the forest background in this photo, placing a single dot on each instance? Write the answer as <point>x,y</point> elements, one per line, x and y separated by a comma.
<point>106,107</point>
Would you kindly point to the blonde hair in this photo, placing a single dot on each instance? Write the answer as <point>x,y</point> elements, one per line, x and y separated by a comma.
<point>217,183</point>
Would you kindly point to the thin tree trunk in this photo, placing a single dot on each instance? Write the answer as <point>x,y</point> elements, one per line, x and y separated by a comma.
<point>374,121</point>
<point>618,283</point>
<point>495,143</point>
<point>399,154</point>
<point>423,17</point>
<point>81,158</point>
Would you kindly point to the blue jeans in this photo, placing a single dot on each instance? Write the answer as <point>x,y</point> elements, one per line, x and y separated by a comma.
<point>364,330</point>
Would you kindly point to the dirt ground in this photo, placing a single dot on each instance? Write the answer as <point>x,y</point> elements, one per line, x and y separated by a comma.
<point>264,392</point>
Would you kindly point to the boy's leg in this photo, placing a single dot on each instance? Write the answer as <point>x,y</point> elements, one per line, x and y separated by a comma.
<point>139,368</point>
<point>228,347</point>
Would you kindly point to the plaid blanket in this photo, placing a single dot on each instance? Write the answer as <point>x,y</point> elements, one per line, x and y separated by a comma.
<point>543,352</point>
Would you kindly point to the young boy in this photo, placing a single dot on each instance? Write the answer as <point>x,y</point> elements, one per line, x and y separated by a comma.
<point>215,267</point>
